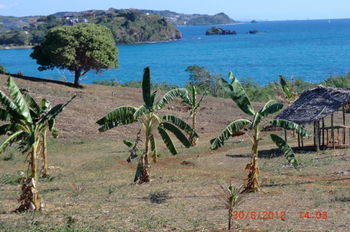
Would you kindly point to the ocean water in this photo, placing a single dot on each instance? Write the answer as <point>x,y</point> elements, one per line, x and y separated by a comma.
<point>312,49</point>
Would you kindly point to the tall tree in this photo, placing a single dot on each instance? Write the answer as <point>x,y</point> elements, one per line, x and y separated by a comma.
<point>148,117</point>
<point>26,129</point>
<point>255,125</point>
<point>79,48</point>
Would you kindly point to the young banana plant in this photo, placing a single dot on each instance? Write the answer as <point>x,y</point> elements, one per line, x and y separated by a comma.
<point>289,94</point>
<point>25,128</point>
<point>37,111</point>
<point>255,124</point>
<point>194,104</point>
<point>147,116</point>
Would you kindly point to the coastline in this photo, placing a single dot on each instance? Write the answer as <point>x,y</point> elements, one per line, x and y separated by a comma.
<point>120,44</point>
<point>14,47</point>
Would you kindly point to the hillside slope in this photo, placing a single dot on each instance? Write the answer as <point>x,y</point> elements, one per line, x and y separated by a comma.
<point>94,101</point>
<point>192,19</point>
<point>127,26</point>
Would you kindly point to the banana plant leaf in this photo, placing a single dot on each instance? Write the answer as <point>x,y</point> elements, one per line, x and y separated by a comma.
<point>121,116</point>
<point>286,149</point>
<point>238,95</point>
<point>177,132</point>
<point>270,107</point>
<point>229,131</point>
<point>146,87</point>
<point>288,125</point>
<point>181,124</point>
<point>167,140</point>
<point>171,95</point>
<point>18,100</point>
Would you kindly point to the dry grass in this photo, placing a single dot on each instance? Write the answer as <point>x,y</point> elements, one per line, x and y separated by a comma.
<point>91,186</point>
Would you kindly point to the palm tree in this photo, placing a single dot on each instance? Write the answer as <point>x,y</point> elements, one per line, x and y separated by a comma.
<point>255,124</point>
<point>150,121</point>
<point>194,104</point>
<point>25,129</point>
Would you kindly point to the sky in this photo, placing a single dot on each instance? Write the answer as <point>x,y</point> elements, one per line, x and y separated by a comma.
<point>236,9</point>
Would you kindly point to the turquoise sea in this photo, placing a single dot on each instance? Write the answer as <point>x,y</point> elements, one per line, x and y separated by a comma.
<point>311,49</point>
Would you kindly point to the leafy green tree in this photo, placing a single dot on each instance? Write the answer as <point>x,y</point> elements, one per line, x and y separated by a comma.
<point>2,69</point>
<point>79,48</point>
<point>148,117</point>
<point>203,79</point>
<point>255,124</point>
<point>25,128</point>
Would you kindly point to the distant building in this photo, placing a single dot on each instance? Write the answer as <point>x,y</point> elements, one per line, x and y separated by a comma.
<point>77,20</point>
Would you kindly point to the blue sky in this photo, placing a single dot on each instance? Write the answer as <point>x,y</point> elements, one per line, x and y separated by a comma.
<point>237,9</point>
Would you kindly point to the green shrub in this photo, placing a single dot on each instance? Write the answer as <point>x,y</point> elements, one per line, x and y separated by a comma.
<point>2,69</point>
<point>338,81</point>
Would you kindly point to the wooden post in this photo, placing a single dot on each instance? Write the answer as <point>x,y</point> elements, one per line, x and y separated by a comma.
<point>344,122</point>
<point>298,140</point>
<point>327,138</point>
<point>317,135</point>
<point>302,140</point>
<point>323,132</point>
<point>332,130</point>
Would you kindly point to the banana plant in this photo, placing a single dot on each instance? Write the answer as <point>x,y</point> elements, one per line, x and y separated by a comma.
<point>254,125</point>
<point>194,104</point>
<point>37,111</point>
<point>25,128</point>
<point>147,116</point>
<point>288,93</point>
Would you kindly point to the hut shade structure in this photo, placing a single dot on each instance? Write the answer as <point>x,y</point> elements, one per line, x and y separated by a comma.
<point>313,107</point>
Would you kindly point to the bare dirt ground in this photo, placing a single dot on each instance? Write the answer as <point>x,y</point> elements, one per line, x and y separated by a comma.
<point>91,187</point>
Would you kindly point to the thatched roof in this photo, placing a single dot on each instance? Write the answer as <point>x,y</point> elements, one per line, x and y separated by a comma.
<point>315,104</point>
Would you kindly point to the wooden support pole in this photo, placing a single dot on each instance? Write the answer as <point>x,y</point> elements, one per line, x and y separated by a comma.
<point>344,122</point>
<point>332,131</point>
<point>317,135</point>
<point>298,140</point>
<point>327,138</point>
<point>302,140</point>
<point>323,132</point>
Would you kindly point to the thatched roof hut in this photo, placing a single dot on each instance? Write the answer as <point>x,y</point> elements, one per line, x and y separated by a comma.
<point>315,104</point>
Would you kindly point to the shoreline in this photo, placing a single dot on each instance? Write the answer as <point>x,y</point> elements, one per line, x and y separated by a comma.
<point>137,43</point>
<point>14,47</point>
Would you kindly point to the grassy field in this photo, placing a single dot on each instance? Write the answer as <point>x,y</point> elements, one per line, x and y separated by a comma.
<point>90,186</point>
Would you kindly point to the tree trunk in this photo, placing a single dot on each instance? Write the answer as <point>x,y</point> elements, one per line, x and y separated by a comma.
<point>77,75</point>
<point>146,166</point>
<point>253,184</point>
<point>229,219</point>
<point>44,150</point>
<point>193,140</point>
<point>30,198</point>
